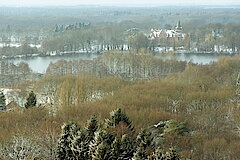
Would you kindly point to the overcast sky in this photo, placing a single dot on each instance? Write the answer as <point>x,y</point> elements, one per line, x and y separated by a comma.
<point>115,2</point>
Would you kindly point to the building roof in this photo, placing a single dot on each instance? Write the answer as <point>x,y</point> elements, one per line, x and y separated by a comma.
<point>169,33</point>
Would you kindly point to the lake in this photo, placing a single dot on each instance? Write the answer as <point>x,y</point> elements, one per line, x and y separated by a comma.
<point>40,64</point>
<point>194,58</point>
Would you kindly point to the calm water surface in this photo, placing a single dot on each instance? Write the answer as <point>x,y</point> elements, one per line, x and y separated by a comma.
<point>40,64</point>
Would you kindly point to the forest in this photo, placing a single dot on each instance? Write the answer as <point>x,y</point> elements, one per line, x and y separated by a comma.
<point>192,113</point>
<point>128,102</point>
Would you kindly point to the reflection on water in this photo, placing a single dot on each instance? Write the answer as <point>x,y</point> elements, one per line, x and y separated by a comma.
<point>194,58</point>
<point>199,59</point>
<point>40,64</point>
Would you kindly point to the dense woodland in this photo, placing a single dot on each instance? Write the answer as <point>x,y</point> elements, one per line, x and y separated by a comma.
<point>126,103</point>
<point>128,65</point>
<point>192,113</point>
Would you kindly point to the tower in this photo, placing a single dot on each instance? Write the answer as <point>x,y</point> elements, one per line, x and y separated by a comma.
<point>178,27</point>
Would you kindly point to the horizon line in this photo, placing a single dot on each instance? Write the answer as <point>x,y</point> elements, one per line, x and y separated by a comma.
<point>126,6</point>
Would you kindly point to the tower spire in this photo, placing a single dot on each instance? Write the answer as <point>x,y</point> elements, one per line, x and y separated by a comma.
<point>179,27</point>
<point>179,24</point>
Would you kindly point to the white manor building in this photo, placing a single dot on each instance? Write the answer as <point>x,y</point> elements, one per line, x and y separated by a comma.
<point>164,33</point>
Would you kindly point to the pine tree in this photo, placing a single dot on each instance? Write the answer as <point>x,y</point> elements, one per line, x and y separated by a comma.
<point>127,147</point>
<point>145,138</point>
<point>141,153</point>
<point>172,126</point>
<point>102,152</point>
<point>123,148</point>
<point>159,154</point>
<point>81,141</point>
<point>91,128</point>
<point>64,150</point>
<point>116,148</point>
<point>144,144</point>
<point>31,100</point>
<point>118,117</point>
<point>101,145</point>
<point>79,145</point>
<point>2,101</point>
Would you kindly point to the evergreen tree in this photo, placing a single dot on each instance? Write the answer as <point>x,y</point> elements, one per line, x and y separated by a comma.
<point>80,145</point>
<point>31,100</point>
<point>174,126</point>
<point>64,150</point>
<point>141,153</point>
<point>116,148</point>
<point>159,154</point>
<point>123,148</point>
<point>91,128</point>
<point>117,117</point>
<point>101,145</point>
<point>144,144</point>
<point>2,101</point>
<point>127,147</point>
<point>81,141</point>
<point>145,138</point>
<point>102,152</point>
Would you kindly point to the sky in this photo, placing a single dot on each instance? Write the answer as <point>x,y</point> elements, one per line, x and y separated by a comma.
<point>22,3</point>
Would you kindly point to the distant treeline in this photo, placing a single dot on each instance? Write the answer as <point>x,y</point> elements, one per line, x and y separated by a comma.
<point>128,65</point>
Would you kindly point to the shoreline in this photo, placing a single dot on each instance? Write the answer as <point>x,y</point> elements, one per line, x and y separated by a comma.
<point>66,53</point>
<point>57,54</point>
